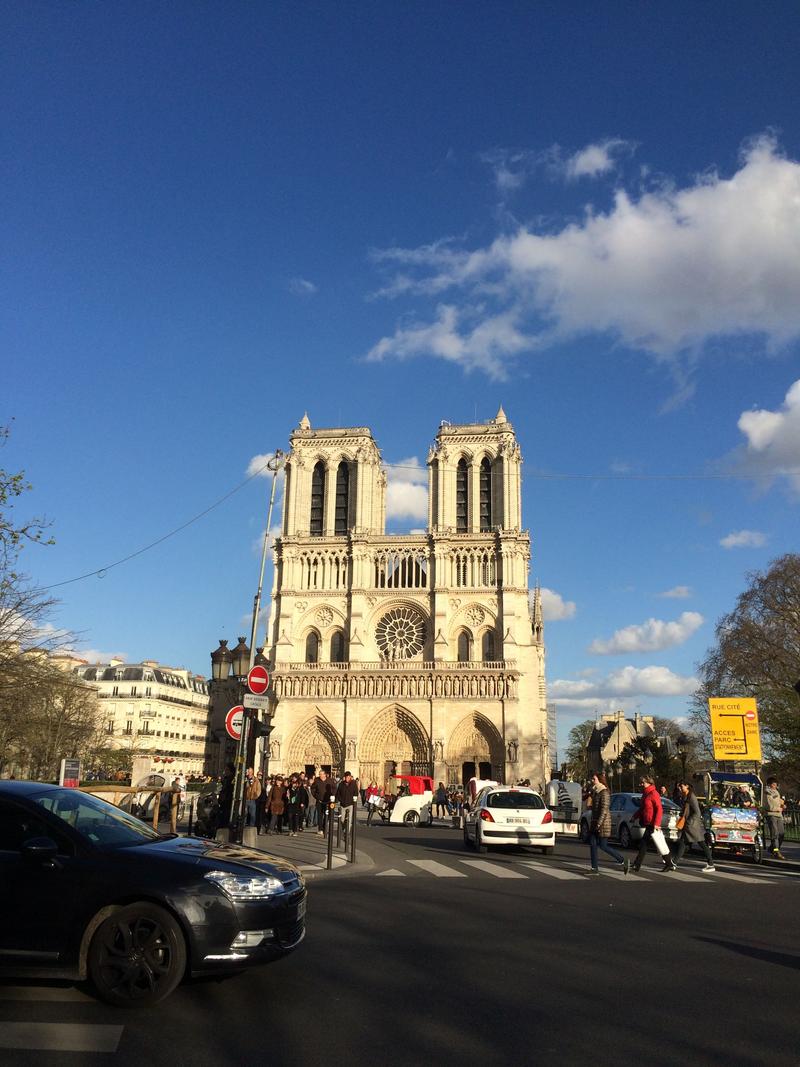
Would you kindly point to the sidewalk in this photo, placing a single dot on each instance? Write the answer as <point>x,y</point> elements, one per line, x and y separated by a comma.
<point>308,851</point>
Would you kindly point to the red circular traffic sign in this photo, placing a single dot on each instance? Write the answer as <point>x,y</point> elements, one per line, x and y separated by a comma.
<point>233,722</point>
<point>258,679</point>
<point>750,715</point>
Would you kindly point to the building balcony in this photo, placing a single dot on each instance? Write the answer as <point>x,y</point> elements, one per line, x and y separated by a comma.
<point>403,665</point>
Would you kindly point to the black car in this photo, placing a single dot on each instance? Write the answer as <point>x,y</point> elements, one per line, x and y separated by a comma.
<point>88,891</point>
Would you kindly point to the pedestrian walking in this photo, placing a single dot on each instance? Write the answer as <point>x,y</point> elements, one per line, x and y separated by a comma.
<point>346,793</point>
<point>296,803</point>
<point>252,791</point>
<point>650,814</point>
<point>600,827</point>
<point>225,801</point>
<point>690,824</point>
<point>322,790</point>
<point>774,808</point>
<point>441,802</point>
<point>276,805</point>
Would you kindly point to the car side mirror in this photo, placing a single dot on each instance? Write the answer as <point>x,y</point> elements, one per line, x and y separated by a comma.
<point>40,851</point>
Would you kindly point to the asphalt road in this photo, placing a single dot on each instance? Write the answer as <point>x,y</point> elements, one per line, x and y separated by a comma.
<point>496,963</point>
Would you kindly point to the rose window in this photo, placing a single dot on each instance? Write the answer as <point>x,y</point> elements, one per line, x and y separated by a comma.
<point>400,633</point>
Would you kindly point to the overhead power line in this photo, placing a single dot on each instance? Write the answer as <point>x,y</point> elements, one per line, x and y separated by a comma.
<point>100,572</point>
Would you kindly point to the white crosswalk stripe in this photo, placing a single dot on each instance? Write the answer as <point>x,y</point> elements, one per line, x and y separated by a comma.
<point>495,869</point>
<point>551,872</point>
<point>680,876</point>
<point>60,1037</point>
<point>438,870</point>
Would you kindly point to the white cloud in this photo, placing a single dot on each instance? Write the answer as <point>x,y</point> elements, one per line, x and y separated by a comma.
<point>93,655</point>
<point>773,442</point>
<point>257,545</point>
<point>594,159</point>
<point>744,539</point>
<point>678,592</point>
<point>554,607</point>
<point>407,490</point>
<point>662,271</point>
<point>301,287</point>
<point>650,636</point>
<point>626,682</point>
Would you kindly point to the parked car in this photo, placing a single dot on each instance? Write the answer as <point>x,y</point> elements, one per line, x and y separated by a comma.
<point>623,807</point>
<point>504,815</point>
<point>89,891</point>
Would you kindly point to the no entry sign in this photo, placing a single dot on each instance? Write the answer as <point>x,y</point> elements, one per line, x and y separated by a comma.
<point>233,722</point>
<point>258,679</point>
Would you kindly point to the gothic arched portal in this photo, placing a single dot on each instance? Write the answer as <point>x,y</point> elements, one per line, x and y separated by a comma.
<point>475,745</point>
<point>395,741</point>
<point>315,742</point>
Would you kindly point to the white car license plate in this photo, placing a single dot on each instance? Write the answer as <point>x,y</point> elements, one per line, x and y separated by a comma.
<point>513,818</point>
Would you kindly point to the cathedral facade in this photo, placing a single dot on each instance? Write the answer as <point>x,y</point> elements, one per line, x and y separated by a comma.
<point>416,653</point>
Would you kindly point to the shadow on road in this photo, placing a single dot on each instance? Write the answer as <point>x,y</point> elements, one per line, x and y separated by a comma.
<point>782,959</point>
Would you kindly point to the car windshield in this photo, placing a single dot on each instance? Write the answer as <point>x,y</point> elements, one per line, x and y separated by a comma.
<point>514,800</point>
<point>96,819</point>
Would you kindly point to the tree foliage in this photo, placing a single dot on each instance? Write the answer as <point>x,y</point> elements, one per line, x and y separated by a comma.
<point>576,755</point>
<point>757,654</point>
<point>45,713</point>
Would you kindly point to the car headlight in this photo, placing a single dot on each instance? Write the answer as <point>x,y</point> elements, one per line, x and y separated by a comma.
<point>242,888</point>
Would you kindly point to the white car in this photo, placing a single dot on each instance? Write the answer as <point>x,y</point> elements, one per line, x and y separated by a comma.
<point>504,815</point>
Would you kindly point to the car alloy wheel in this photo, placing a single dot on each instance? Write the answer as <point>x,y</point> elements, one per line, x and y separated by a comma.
<point>585,832</point>
<point>137,956</point>
<point>625,838</point>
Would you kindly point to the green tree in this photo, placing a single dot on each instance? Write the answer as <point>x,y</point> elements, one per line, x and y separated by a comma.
<point>757,654</point>
<point>575,754</point>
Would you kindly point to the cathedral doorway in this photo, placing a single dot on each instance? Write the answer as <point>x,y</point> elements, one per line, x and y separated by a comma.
<point>314,745</point>
<point>475,744</point>
<point>394,742</point>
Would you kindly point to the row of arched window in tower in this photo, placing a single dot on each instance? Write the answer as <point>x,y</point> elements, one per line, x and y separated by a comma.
<point>392,569</point>
<point>342,505</point>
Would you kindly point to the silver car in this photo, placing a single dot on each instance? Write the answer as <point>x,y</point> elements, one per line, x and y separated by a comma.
<point>623,807</point>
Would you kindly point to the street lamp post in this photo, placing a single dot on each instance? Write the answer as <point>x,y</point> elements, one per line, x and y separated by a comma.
<point>632,769</point>
<point>241,661</point>
<point>683,752</point>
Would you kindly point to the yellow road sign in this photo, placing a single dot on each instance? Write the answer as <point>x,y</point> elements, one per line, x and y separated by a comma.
<point>734,728</point>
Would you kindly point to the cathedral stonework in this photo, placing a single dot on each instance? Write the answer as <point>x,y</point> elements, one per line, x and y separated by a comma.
<point>412,653</point>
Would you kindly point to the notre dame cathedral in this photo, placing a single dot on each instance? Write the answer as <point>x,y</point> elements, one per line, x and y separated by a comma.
<point>415,653</point>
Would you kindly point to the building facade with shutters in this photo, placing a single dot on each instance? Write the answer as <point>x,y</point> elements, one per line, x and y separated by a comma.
<point>153,711</point>
<point>418,653</point>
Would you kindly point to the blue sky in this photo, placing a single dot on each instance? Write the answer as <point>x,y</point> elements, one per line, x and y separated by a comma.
<point>219,216</point>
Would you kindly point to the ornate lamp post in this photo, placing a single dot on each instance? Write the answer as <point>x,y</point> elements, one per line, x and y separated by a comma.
<point>683,751</point>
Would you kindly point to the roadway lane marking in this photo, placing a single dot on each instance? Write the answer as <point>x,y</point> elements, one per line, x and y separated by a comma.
<point>439,870</point>
<point>44,993</point>
<point>747,878</point>
<point>60,1037</point>
<point>493,868</point>
<point>392,871</point>
<point>551,872</point>
<point>679,876</point>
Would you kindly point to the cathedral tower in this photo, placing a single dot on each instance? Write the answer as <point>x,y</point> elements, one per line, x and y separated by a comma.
<point>407,652</point>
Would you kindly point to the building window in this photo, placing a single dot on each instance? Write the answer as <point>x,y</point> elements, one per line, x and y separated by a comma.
<point>486,495</point>
<point>461,496</point>
<point>133,690</point>
<point>488,647</point>
<point>128,727</point>
<point>110,727</point>
<point>115,690</point>
<point>464,646</point>
<point>337,647</point>
<point>312,647</point>
<point>317,500</point>
<point>342,499</point>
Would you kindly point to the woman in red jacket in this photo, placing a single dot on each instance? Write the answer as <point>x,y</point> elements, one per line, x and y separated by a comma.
<point>649,815</point>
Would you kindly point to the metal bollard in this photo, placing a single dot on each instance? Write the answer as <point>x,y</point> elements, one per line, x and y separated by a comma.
<point>352,851</point>
<point>330,836</point>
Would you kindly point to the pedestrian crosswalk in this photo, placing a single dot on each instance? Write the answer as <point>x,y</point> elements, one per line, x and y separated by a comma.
<point>518,869</point>
<point>21,1034</point>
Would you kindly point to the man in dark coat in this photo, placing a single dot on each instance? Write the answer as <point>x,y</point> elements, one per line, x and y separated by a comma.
<point>322,790</point>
